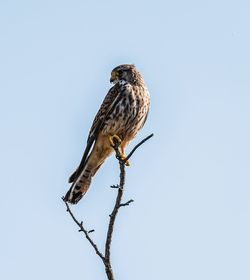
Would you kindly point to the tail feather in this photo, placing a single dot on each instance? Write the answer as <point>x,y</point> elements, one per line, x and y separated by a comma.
<point>80,186</point>
<point>81,178</point>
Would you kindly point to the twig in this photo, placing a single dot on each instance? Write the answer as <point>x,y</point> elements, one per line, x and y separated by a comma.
<point>126,203</point>
<point>112,217</point>
<point>137,146</point>
<point>80,225</point>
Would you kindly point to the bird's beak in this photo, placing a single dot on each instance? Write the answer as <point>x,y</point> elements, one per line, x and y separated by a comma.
<point>114,76</point>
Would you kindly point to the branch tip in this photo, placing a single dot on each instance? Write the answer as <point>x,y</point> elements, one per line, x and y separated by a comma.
<point>137,146</point>
<point>126,203</point>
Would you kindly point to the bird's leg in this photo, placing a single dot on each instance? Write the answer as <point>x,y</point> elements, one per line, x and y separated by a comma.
<point>123,155</point>
<point>112,142</point>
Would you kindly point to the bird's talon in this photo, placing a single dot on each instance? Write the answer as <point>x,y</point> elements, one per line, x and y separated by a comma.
<point>127,163</point>
<point>112,142</point>
<point>123,158</point>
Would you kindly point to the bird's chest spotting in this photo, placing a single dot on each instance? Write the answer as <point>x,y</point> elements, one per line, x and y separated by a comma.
<point>129,113</point>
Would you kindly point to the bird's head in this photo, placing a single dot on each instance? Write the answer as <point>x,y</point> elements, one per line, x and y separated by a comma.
<point>127,73</point>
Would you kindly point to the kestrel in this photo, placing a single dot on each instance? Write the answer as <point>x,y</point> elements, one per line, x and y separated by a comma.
<point>122,114</point>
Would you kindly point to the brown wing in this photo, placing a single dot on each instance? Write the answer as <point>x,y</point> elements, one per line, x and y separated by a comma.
<point>108,105</point>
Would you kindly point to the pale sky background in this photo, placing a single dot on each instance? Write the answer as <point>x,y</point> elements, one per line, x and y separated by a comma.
<point>191,182</point>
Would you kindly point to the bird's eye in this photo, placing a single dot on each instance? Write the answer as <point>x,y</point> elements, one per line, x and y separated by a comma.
<point>119,72</point>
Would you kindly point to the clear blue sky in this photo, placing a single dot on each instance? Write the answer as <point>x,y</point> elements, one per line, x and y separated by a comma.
<point>190,183</point>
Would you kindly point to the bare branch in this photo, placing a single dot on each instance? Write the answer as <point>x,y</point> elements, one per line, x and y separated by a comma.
<point>86,233</point>
<point>118,203</point>
<point>112,217</point>
<point>137,146</point>
<point>126,203</point>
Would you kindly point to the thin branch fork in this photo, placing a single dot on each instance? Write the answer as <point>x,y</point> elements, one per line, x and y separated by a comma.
<point>112,217</point>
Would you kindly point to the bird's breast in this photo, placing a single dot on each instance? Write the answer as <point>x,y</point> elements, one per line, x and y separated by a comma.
<point>129,114</point>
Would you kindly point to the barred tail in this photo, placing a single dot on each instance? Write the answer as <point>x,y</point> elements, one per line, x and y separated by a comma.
<point>80,186</point>
<point>81,179</point>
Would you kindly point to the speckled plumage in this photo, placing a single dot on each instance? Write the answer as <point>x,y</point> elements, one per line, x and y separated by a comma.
<point>122,113</point>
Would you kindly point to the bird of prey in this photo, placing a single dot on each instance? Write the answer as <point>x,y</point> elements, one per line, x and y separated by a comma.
<point>122,114</point>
